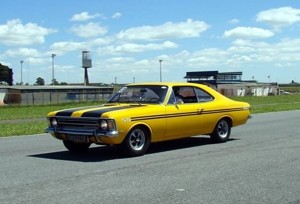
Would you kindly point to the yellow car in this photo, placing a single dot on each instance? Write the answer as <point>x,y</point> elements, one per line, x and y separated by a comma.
<point>143,113</point>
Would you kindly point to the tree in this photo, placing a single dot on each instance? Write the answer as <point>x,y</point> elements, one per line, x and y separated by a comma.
<point>10,77</point>
<point>55,82</point>
<point>40,81</point>
<point>4,73</point>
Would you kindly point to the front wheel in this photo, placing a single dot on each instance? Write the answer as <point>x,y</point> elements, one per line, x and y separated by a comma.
<point>136,142</point>
<point>222,131</point>
<point>76,147</point>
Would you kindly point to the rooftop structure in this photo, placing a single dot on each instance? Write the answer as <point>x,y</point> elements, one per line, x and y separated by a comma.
<point>214,77</point>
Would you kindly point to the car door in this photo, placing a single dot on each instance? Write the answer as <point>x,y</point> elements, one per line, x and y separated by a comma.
<point>183,118</point>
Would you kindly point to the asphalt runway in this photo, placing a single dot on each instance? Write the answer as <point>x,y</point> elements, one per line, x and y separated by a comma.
<point>260,164</point>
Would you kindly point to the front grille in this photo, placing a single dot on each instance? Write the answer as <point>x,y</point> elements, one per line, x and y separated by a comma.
<point>77,123</point>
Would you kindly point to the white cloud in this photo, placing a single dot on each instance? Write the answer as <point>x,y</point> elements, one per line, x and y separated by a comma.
<point>279,17</point>
<point>63,47</point>
<point>15,33</point>
<point>83,16</point>
<point>22,52</point>
<point>89,30</point>
<point>136,48</point>
<point>208,58</point>
<point>168,30</point>
<point>36,60</point>
<point>116,15</point>
<point>248,33</point>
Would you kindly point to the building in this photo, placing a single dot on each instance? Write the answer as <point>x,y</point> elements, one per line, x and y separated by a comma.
<point>231,83</point>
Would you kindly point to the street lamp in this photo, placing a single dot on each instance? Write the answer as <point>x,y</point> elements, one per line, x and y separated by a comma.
<point>52,56</point>
<point>160,61</point>
<point>21,71</point>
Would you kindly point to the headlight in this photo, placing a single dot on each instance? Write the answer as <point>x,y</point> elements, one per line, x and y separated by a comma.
<point>53,122</point>
<point>107,125</point>
<point>103,125</point>
<point>111,125</point>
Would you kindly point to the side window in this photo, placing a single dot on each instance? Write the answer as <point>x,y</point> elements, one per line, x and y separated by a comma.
<point>184,94</point>
<point>203,96</point>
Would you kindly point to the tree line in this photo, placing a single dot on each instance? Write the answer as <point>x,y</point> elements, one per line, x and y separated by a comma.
<point>6,77</point>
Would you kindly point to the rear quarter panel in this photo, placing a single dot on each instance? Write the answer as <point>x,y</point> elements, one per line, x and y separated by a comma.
<point>238,112</point>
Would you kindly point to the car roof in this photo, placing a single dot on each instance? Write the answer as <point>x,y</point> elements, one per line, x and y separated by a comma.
<point>166,84</point>
<point>215,93</point>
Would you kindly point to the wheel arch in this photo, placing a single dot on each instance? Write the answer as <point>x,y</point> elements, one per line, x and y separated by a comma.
<point>228,119</point>
<point>142,125</point>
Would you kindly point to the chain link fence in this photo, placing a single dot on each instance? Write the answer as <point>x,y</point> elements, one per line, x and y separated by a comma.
<point>45,98</point>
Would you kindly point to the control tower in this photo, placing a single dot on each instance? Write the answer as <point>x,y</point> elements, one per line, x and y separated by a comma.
<point>86,63</point>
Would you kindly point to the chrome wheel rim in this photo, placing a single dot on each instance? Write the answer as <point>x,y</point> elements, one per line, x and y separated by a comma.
<point>137,139</point>
<point>223,129</point>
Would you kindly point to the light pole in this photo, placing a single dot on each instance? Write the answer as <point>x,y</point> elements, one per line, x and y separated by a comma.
<point>21,62</point>
<point>52,56</point>
<point>160,61</point>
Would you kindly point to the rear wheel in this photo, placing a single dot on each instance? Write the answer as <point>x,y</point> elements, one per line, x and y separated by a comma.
<point>222,131</point>
<point>76,147</point>
<point>136,142</point>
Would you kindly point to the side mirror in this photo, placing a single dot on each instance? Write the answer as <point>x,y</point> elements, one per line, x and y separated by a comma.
<point>179,101</point>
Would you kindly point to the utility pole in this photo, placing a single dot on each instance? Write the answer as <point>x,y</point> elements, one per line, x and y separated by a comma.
<point>52,56</point>
<point>160,77</point>
<point>21,71</point>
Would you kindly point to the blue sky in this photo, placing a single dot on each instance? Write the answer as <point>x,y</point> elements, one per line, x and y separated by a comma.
<point>127,38</point>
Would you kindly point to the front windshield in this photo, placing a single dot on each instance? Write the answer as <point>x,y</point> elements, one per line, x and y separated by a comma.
<point>140,94</point>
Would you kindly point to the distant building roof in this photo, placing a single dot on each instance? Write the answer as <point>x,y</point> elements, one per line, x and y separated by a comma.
<point>201,74</point>
<point>214,77</point>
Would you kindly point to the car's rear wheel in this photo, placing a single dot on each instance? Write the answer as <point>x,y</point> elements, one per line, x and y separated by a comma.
<point>76,147</point>
<point>222,131</point>
<point>136,142</point>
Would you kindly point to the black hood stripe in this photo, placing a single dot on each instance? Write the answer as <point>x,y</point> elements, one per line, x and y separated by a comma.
<point>98,113</point>
<point>67,112</point>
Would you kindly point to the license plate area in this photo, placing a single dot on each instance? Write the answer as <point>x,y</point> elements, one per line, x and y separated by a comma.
<point>78,138</point>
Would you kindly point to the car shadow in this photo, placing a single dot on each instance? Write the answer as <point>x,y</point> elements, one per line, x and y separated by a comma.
<point>104,153</point>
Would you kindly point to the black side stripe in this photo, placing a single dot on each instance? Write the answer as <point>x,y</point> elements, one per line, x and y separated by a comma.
<point>222,110</point>
<point>163,116</point>
<point>151,117</point>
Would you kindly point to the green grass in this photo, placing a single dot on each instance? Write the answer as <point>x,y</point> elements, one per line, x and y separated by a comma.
<point>22,128</point>
<point>29,112</point>
<point>261,104</point>
<point>28,120</point>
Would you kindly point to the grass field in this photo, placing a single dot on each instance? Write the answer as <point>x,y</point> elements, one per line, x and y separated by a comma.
<point>27,120</point>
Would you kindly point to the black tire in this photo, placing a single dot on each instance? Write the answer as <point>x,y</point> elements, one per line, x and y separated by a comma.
<point>76,147</point>
<point>136,142</point>
<point>221,132</point>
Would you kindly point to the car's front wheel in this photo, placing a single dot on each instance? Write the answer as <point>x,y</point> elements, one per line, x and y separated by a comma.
<point>222,131</point>
<point>76,147</point>
<point>136,142</point>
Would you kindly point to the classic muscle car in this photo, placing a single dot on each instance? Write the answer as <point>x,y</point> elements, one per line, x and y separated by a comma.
<point>143,113</point>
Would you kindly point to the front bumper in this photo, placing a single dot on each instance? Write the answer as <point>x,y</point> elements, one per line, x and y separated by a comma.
<point>95,136</point>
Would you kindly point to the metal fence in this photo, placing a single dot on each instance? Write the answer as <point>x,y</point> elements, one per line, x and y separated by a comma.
<point>44,98</point>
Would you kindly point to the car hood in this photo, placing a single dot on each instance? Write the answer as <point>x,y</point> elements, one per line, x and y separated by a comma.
<point>95,111</point>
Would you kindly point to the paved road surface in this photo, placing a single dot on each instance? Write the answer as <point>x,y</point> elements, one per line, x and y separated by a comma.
<point>260,164</point>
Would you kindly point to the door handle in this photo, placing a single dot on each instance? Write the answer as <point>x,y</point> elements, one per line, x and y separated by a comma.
<point>200,111</point>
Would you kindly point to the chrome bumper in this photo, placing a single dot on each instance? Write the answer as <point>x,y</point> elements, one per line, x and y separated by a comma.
<point>95,133</point>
